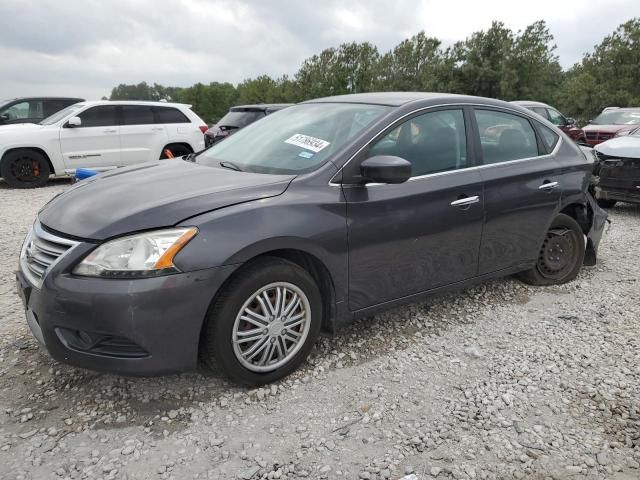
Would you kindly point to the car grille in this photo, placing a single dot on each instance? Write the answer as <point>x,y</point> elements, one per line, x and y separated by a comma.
<point>40,251</point>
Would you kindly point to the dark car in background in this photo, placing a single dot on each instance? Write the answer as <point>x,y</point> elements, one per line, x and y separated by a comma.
<point>610,123</point>
<point>566,124</point>
<point>32,109</point>
<point>617,170</point>
<point>239,117</point>
<point>330,210</point>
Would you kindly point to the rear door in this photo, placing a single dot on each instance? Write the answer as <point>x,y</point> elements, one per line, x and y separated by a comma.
<point>95,143</point>
<point>141,138</point>
<point>522,189</point>
<point>178,128</point>
<point>421,234</point>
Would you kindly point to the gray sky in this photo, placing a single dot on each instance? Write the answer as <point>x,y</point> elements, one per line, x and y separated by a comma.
<point>85,47</point>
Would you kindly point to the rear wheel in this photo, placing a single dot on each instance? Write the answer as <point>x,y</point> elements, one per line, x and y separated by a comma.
<point>25,169</point>
<point>561,254</point>
<point>264,322</point>
<point>177,151</point>
<point>606,203</point>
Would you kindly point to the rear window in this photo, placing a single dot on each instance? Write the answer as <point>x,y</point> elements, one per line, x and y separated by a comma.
<point>137,115</point>
<point>170,115</point>
<point>240,119</point>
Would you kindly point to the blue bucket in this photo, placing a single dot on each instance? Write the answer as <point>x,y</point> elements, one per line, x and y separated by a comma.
<point>82,173</point>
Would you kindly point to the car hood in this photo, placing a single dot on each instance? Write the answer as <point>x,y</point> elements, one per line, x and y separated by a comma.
<point>152,195</point>
<point>625,147</point>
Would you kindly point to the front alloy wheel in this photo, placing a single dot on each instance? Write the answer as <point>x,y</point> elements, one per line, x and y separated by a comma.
<point>263,322</point>
<point>271,327</point>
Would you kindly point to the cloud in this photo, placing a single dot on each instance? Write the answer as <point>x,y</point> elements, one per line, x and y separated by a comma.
<point>85,47</point>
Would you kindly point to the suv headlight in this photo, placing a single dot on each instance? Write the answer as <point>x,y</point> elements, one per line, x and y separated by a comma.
<point>142,255</point>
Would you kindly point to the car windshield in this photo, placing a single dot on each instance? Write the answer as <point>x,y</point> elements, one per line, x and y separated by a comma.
<point>293,140</point>
<point>240,119</point>
<point>56,117</point>
<point>618,117</point>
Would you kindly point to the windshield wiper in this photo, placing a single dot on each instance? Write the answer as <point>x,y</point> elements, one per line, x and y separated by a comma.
<point>230,166</point>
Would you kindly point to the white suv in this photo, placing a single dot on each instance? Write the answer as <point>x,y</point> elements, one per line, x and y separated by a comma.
<point>97,135</point>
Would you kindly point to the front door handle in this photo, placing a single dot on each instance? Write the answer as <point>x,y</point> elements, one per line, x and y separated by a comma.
<point>110,131</point>
<point>548,186</point>
<point>157,129</point>
<point>465,202</point>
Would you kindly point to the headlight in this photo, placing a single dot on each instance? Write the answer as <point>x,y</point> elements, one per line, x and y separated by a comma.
<point>144,255</point>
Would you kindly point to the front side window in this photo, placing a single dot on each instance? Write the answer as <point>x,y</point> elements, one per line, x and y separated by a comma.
<point>505,137</point>
<point>433,142</point>
<point>137,115</point>
<point>540,111</point>
<point>101,116</point>
<point>557,118</point>
<point>297,139</point>
<point>23,111</point>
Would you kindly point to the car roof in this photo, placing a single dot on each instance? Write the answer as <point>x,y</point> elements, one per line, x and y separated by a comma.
<point>397,99</point>
<point>623,109</point>
<point>261,106</point>
<point>530,103</point>
<point>134,102</point>
<point>7,100</point>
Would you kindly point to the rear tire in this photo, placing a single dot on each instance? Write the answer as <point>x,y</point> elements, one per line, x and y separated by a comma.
<point>252,342</point>
<point>561,255</point>
<point>606,203</point>
<point>25,169</point>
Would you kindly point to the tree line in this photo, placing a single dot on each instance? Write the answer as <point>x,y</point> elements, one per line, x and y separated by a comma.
<point>497,63</point>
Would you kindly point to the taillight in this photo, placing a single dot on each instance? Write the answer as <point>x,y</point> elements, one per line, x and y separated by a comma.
<point>204,128</point>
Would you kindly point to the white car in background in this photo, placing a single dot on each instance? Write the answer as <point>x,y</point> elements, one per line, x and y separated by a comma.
<point>97,135</point>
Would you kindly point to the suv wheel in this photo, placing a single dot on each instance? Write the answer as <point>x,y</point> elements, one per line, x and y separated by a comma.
<point>263,324</point>
<point>561,254</point>
<point>25,169</point>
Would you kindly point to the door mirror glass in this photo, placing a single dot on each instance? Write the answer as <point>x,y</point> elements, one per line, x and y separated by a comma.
<point>385,169</point>
<point>74,122</point>
<point>4,117</point>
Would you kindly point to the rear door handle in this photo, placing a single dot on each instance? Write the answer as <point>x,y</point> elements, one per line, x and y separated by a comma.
<point>548,186</point>
<point>110,131</point>
<point>157,129</point>
<point>465,202</point>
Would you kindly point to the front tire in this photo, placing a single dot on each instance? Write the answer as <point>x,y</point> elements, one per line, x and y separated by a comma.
<point>561,255</point>
<point>263,323</point>
<point>25,169</point>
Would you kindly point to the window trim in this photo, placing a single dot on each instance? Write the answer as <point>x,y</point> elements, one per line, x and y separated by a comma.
<point>468,106</point>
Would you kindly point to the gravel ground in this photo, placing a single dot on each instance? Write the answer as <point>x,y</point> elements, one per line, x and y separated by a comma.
<point>500,381</point>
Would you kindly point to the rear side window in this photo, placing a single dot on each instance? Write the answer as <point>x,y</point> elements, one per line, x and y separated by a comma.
<point>137,115</point>
<point>549,137</point>
<point>101,116</point>
<point>170,115</point>
<point>505,137</point>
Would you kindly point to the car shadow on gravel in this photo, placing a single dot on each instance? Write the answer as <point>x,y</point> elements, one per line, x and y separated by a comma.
<point>58,393</point>
<point>63,181</point>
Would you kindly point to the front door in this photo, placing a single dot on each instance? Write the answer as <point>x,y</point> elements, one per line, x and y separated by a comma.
<point>522,189</point>
<point>424,233</point>
<point>95,143</point>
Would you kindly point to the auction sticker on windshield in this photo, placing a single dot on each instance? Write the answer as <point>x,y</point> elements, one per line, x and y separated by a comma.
<point>305,141</point>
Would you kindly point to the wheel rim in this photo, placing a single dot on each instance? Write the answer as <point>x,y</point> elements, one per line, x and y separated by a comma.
<point>271,327</point>
<point>558,254</point>
<point>25,169</point>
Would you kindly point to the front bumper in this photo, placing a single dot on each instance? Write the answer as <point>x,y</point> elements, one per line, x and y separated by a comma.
<point>145,326</point>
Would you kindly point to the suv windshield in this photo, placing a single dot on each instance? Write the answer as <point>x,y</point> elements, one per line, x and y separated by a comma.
<point>618,117</point>
<point>239,119</point>
<point>295,140</point>
<point>56,117</point>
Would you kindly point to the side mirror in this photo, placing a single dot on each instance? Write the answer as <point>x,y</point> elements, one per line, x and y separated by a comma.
<point>74,122</point>
<point>590,121</point>
<point>571,121</point>
<point>4,117</point>
<point>385,169</point>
